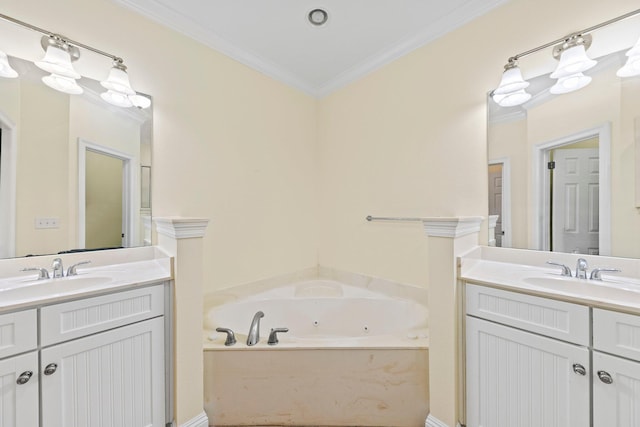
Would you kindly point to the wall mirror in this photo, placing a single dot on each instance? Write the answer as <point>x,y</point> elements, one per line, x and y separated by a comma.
<point>74,170</point>
<point>563,169</point>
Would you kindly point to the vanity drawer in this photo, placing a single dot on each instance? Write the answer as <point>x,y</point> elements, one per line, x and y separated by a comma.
<point>62,322</point>
<point>18,332</point>
<point>616,333</point>
<point>556,319</point>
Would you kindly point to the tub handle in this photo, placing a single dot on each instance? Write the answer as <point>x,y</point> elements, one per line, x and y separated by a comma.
<point>273,335</point>
<point>231,338</point>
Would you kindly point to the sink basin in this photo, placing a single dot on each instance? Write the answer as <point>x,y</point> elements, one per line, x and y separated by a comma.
<point>601,290</point>
<point>52,287</point>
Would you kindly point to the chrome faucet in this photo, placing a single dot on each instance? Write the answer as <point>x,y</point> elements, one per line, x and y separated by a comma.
<point>58,269</point>
<point>581,268</point>
<point>71,271</point>
<point>254,331</point>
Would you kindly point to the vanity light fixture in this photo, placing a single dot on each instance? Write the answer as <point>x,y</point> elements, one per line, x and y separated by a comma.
<point>571,51</point>
<point>60,52</point>
<point>632,66</point>
<point>5,68</point>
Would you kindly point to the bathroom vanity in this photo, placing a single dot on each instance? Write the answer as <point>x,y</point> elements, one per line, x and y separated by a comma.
<point>544,349</point>
<point>87,350</point>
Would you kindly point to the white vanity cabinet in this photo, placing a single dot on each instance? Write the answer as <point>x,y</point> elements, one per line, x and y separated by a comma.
<point>534,361</point>
<point>519,378</point>
<point>99,362</point>
<point>19,369</point>
<point>616,369</point>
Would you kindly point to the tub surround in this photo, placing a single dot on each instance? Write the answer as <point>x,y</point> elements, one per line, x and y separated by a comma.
<point>356,353</point>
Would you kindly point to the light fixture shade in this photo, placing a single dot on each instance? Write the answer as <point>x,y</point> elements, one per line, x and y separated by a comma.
<point>573,60</point>
<point>5,68</point>
<point>512,99</point>
<point>117,98</point>
<point>570,83</point>
<point>62,84</point>
<point>511,81</point>
<point>58,61</point>
<point>632,66</point>
<point>140,101</point>
<point>118,81</point>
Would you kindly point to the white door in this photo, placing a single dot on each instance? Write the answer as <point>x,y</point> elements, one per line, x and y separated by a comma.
<point>519,379</point>
<point>616,391</point>
<point>19,402</point>
<point>114,378</point>
<point>575,202</point>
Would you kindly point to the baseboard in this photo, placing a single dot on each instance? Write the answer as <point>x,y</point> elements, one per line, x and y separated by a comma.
<point>434,422</point>
<point>199,421</point>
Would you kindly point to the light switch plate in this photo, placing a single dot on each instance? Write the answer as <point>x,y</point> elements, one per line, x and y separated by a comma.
<point>47,222</point>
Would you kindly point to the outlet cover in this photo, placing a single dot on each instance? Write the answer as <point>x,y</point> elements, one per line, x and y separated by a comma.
<point>47,222</point>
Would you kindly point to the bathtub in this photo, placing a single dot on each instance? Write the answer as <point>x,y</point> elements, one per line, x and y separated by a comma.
<point>353,356</point>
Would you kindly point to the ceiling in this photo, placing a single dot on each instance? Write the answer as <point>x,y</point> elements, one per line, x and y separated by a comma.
<point>276,38</point>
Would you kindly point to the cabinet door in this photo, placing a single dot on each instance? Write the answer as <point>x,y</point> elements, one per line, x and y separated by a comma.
<point>616,402</point>
<point>114,378</point>
<point>519,379</point>
<point>19,405</point>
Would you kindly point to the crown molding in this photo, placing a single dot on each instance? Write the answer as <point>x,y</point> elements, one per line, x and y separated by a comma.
<point>174,19</point>
<point>452,227</point>
<point>181,228</point>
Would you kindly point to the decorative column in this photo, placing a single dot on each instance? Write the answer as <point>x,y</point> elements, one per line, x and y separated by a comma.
<point>181,238</point>
<point>448,238</point>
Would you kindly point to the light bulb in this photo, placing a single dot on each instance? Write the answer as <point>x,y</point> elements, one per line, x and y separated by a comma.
<point>62,84</point>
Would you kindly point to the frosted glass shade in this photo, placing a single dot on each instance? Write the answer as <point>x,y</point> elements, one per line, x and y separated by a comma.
<point>511,81</point>
<point>573,60</point>
<point>512,99</point>
<point>632,66</point>
<point>140,101</point>
<point>5,68</point>
<point>57,61</point>
<point>570,83</point>
<point>117,98</point>
<point>118,81</point>
<point>62,84</point>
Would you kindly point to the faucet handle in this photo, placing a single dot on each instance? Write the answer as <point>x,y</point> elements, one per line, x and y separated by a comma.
<point>566,271</point>
<point>273,337</point>
<point>71,271</point>
<point>596,272</point>
<point>43,273</point>
<point>231,338</point>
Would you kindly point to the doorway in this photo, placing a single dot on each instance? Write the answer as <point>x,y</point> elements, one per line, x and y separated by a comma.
<point>106,197</point>
<point>500,200</point>
<point>8,160</point>
<point>572,207</point>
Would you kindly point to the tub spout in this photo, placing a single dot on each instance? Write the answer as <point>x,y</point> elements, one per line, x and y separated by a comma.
<point>254,331</point>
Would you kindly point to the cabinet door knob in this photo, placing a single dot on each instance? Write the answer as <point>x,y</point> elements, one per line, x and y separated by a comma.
<point>50,369</point>
<point>24,377</point>
<point>579,369</point>
<point>605,377</point>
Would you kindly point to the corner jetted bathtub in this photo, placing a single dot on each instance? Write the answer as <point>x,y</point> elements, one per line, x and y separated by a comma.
<point>352,356</point>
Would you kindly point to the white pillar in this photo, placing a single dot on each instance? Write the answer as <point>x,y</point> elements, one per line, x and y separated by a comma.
<point>181,238</point>
<point>448,238</point>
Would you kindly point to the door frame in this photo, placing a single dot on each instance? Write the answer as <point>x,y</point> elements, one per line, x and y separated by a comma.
<point>129,186</point>
<point>540,181</point>
<point>8,169</point>
<point>506,198</point>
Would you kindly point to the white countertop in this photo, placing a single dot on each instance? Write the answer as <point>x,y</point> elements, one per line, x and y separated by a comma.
<point>109,271</point>
<point>497,269</point>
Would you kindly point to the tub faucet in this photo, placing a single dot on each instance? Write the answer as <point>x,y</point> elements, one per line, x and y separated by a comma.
<point>581,268</point>
<point>254,331</point>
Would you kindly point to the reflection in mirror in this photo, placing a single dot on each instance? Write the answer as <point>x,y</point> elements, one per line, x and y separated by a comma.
<point>562,170</point>
<point>70,168</point>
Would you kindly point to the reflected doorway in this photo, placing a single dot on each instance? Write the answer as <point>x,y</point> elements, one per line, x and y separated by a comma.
<point>106,191</point>
<point>7,187</point>
<point>495,200</point>
<point>572,188</point>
